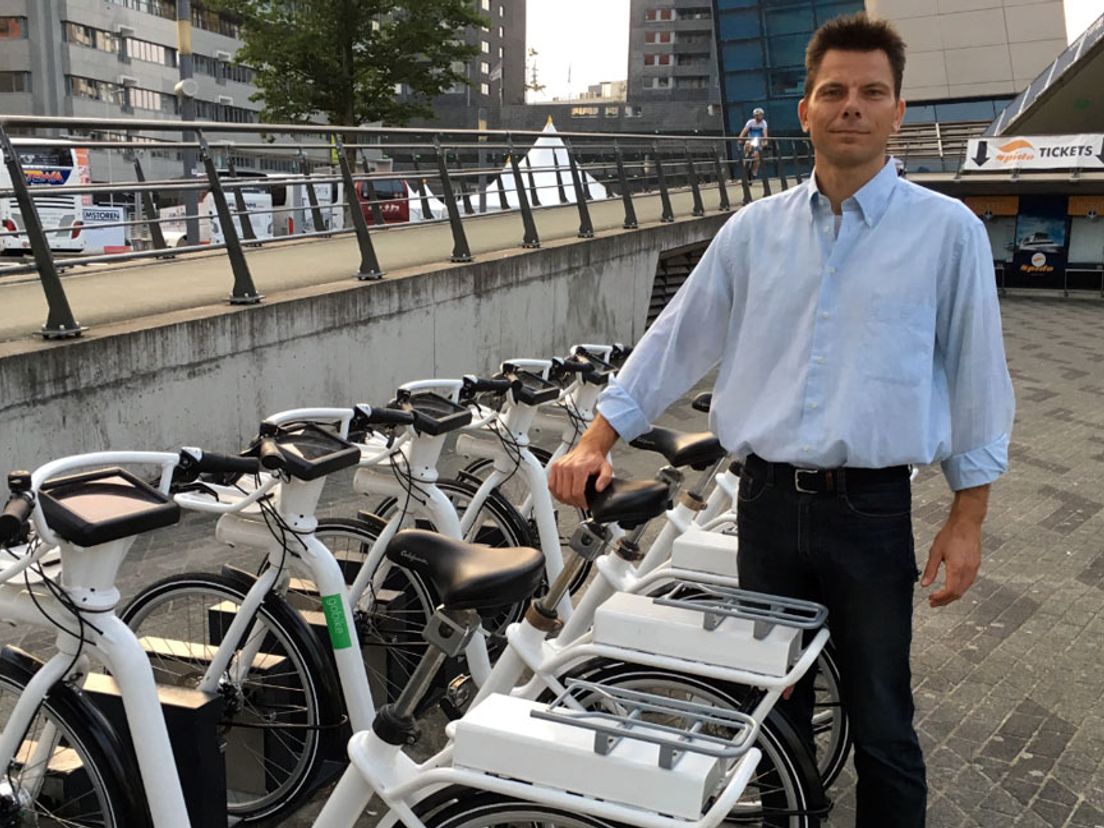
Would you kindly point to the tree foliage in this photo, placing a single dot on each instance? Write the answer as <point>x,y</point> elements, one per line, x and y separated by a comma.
<point>344,58</point>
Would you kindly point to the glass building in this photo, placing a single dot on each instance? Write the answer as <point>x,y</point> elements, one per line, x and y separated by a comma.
<point>761,56</point>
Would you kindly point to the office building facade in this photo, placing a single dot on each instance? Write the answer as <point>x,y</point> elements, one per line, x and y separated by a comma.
<point>966,58</point>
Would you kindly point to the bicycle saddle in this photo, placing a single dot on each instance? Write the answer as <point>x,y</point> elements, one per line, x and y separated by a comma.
<point>699,451</point>
<point>468,575</point>
<point>627,502</point>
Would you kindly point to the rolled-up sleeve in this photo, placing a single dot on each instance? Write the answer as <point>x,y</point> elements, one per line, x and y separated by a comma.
<point>686,340</point>
<point>979,387</point>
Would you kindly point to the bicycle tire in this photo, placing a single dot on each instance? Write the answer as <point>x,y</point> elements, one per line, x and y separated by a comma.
<point>107,769</point>
<point>833,740</point>
<point>786,781</point>
<point>305,694</point>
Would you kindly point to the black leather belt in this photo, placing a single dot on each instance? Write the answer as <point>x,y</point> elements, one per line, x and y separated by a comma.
<point>818,481</point>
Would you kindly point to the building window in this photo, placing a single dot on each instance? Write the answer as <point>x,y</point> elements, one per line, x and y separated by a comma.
<point>696,59</point>
<point>485,4</point>
<point>702,13</point>
<point>659,37</point>
<point>160,8</point>
<point>150,52</point>
<point>785,82</point>
<point>15,81</point>
<point>12,28</point>
<point>692,82</point>
<point>501,10</point>
<point>211,111</point>
<point>651,59</point>
<point>485,88</point>
<point>612,111</point>
<point>96,90</point>
<point>90,37</point>
<point>484,47</point>
<point>500,53</point>
<point>149,99</point>
<point>584,112</point>
<point>501,33</point>
<point>633,111</point>
<point>655,15</point>
<point>657,83</point>
<point>214,22</point>
<point>484,67</point>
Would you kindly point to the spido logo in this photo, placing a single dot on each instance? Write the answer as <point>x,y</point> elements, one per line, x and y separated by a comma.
<point>1038,260</point>
<point>1017,150</point>
<point>1038,264</point>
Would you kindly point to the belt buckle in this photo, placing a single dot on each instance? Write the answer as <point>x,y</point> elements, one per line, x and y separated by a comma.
<point>797,481</point>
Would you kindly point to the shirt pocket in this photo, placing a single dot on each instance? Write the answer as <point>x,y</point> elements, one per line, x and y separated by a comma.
<point>899,342</point>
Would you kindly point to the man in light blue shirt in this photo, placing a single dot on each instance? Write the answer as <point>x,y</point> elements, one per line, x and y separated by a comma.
<point>856,326</point>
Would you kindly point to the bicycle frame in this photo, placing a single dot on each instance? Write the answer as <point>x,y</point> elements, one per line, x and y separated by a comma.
<point>90,577</point>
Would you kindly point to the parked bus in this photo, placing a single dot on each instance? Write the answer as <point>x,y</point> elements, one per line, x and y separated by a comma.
<point>48,164</point>
<point>258,201</point>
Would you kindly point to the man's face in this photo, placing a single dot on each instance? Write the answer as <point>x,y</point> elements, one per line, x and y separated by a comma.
<point>852,109</point>
<point>758,116</point>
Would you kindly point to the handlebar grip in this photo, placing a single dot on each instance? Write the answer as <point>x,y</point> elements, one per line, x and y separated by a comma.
<point>367,415</point>
<point>13,520</point>
<point>211,463</point>
<point>480,385</point>
<point>270,455</point>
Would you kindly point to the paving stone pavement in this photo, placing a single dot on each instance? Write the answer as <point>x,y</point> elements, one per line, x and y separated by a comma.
<point>1008,681</point>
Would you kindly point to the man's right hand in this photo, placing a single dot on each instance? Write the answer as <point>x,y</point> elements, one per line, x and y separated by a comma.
<point>568,476</point>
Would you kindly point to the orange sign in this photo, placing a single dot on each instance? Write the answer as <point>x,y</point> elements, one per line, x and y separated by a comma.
<point>1082,205</point>
<point>998,205</point>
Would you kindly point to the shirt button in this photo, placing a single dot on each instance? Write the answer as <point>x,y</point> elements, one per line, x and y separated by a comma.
<point>830,270</point>
<point>806,449</point>
<point>812,405</point>
<point>819,360</point>
<point>824,315</point>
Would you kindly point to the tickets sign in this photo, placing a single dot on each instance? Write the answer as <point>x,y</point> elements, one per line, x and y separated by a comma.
<point>1046,152</point>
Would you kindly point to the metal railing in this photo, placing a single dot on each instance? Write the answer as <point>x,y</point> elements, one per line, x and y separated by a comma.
<point>448,176</point>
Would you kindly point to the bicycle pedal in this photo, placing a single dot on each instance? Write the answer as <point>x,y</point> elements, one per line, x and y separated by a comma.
<point>460,692</point>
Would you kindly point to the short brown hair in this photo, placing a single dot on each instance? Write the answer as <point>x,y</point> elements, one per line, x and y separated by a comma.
<point>855,33</point>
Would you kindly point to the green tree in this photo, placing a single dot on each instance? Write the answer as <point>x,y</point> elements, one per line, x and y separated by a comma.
<point>344,58</point>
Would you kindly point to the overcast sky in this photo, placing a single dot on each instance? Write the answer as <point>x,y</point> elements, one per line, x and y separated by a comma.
<point>588,40</point>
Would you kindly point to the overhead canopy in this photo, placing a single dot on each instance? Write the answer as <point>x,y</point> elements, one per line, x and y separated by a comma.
<point>1067,97</point>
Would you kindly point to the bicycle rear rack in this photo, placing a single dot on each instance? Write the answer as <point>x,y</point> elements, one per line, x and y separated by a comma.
<point>716,603</point>
<point>674,742</point>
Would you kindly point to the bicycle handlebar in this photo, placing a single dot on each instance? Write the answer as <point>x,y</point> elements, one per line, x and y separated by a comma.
<point>478,385</point>
<point>14,518</point>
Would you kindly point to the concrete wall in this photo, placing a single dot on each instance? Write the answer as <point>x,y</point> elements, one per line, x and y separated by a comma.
<point>210,376</point>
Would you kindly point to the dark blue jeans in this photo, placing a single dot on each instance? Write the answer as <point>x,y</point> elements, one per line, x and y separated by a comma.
<point>851,550</point>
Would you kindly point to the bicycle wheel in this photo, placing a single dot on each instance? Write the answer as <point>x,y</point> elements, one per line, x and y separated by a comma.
<point>831,728</point>
<point>497,524</point>
<point>785,791</point>
<point>389,621</point>
<point>458,807</point>
<point>88,778</point>
<point>275,712</point>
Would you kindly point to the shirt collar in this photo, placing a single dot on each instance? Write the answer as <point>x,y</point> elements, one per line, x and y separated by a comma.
<point>872,198</point>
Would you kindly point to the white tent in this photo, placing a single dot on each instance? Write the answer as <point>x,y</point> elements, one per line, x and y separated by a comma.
<point>437,208</point>
<point>539,171</point>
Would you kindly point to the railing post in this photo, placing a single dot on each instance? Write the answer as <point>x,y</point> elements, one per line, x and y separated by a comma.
<point>461,184</point>
<point>422,188</point>
<point>369,264</point>
<point>503,202</point>
<point>667,213</point>
<point>239,200</point>
<point>156,235</point>
<point>778,167</point>
<point>536,202</point>
<point>244,293</point>
<point>530,239</point>
<point>692,174</point>
<point>460,250</point>
<point>798,178</point>
<point>312,197</point>
<point>60,323</point>
<point>373,203</point>
<point>586,229</point>
<point>626,196</point>
<point>764,176</point>
<point>559,178</point>
<point>718,170</point>
<point>745,184</point>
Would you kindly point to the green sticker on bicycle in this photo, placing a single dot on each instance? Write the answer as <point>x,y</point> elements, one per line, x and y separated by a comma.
<point>336,622</point>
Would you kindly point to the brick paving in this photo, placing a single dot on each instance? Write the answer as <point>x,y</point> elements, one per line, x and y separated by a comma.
<point>1008,681</point>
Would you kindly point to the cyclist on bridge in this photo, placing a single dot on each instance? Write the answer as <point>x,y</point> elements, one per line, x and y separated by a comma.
<point>755,130</point>
<point>857,328</point>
